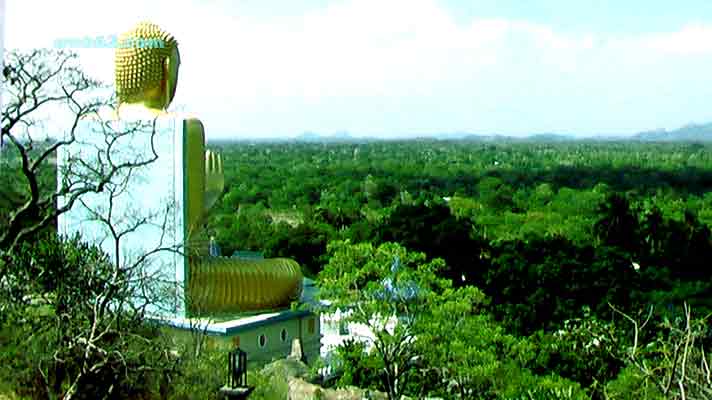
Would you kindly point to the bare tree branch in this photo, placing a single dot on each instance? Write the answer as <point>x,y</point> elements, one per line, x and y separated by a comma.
<point>94,330</point>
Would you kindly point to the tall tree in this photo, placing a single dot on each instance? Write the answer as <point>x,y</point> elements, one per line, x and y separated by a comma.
<point>389,290</point>
<point>432,229</point>
<point>84,309</point>
<point>617,224</point>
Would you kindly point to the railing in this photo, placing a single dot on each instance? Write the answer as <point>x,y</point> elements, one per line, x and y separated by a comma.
<point>236,387</point>
<point>237,369</point>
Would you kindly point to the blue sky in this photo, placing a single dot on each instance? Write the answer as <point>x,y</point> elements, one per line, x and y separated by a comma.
<point>612,16</point>
<point>412,67</point>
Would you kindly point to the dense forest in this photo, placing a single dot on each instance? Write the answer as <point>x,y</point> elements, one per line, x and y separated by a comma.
<point>556,235</point>
<point>485,269</point>
<point>292,198</point>
<point>568,247</point>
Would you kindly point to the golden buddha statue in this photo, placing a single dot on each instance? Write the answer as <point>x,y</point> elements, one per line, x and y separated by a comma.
<point>146,76</point>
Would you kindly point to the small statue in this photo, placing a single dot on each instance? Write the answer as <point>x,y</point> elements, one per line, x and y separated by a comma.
<point>214,248</point>
<point>146,77</point>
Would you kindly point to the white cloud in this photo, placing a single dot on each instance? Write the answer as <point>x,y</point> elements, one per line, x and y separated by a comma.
<point>690,40</point>
<point>358,51</point>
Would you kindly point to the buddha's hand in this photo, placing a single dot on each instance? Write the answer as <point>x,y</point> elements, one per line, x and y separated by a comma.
<point>214,178</point>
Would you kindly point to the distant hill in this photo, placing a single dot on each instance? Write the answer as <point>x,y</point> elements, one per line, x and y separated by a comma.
<point>549,137</point>
<point>538,137</point>
<point>688,133</point>
<point>337,137</point>
<point>346,137</point>
<point>309,137</point>
<point>312,137</point>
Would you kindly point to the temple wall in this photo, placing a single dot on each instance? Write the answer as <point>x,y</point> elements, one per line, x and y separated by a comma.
<point>275,348</point>
<point>147,202</point>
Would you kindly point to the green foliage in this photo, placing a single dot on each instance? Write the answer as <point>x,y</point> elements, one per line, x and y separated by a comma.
<point>515,383</point>
<point>358,367</point>
<point>433,230</point>
<point>355,272</point>
<point>541,282</point>
<point>199,376</point>
<point>391,291</point>
<point>552,394</point>
<point>305,243</point>
<point>267,386</point>
<point>33,365</point>
<point>617,225</point>
<point>461,350</point>
<point>630,384</point>
<point>463,345</point>
<point>60,271</point>
<point>543,230</point>
<point>56,338</point>
<point>584,350</point>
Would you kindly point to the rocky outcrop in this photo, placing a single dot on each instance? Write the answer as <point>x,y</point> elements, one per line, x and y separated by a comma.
<point>302,390</point>
<point>296,373</point>
<point>286,368</point>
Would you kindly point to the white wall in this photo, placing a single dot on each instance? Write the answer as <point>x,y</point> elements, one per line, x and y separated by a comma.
<point>332,336</point>
<point>152,194</point>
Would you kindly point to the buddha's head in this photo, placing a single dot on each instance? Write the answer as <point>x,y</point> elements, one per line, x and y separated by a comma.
<point>146,67</point>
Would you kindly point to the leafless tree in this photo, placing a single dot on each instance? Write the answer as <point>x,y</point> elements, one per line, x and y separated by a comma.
<point>36,85</point>
<point>100,314</point>
<point>676,363</point>
<point>198,326</point>
<point>132,287</point>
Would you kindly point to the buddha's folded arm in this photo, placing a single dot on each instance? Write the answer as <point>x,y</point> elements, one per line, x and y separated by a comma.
<point>235,285</point>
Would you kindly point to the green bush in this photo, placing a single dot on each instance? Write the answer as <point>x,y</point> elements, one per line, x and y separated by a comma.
<point>199,377</point>
<point>582,350</point>
<point>21,352</point>
<point>29,369</point>
<point>515,383</point>
<point>50,342</point>
<point>358,367</point>
<point>268,386</point>
<point>631,385</point>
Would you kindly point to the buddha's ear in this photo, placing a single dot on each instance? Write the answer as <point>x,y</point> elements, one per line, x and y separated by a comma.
<point>165,87</point>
